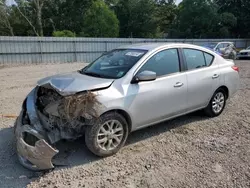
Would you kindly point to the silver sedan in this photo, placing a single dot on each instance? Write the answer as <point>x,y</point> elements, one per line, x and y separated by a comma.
<point>124,90</point>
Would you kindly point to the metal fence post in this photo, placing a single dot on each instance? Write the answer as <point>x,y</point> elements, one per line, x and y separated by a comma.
<point>75,55</point>
<point>41,51</point>
<point>106,46</point>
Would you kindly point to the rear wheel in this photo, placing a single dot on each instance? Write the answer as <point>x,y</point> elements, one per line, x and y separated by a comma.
<point>216,104</point>
<point>107,137</point>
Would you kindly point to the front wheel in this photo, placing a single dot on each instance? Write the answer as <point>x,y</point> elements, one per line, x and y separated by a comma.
<point>108,135</point>
<point>216,104</point>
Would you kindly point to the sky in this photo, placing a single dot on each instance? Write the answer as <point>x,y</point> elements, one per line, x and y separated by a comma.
<point>10,2</point>
<point>178,1</point>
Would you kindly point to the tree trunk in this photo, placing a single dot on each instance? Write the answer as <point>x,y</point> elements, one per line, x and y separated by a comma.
<point>38,6</point>
<point>29,22</point>
<point>39,21</point>
<point>10,28</point>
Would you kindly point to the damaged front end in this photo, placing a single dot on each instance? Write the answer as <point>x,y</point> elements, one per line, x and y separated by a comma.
<point>48,117</point>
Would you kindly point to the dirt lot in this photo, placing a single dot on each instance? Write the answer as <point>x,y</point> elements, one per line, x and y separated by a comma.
<point>190,151</point>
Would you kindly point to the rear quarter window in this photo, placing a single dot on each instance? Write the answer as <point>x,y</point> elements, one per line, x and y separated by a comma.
<point>209,58</point>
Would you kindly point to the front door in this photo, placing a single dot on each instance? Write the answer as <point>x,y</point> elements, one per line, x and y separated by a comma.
<point>164,97</point>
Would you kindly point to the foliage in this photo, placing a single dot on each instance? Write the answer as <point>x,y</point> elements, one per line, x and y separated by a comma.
<point>64,33</point>
<point>196,18</point>
<point>127,18</point>
<point>166,12</point>
<point>240,9</point>
<point>136,18</point>
<point>201,19</point>
<point>5,25</point>
<point>66,15</point>
<point>100,21</point>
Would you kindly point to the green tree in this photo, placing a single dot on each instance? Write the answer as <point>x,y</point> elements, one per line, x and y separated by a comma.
<point>100,21</point>
<point>111,3</point>
<point>61,15</point>
<point>31,11</point>
<point>227,22</point>
<point>165,14</point>
<point>64,33</point>
<point>137,18</point>
<point>5,25</point>
<point>196,19</point>
<point>240,9</point>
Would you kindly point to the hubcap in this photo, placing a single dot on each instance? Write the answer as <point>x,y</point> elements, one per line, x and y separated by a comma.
<point>110,135</point>
<point>218,102</point>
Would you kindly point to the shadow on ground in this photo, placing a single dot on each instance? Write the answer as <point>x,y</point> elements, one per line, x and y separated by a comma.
<point>12,174</point>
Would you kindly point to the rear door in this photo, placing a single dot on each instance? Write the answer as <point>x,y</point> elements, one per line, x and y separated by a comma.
<point>202,77</point>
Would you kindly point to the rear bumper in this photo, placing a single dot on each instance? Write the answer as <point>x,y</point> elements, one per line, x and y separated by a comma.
<point>36,154</point>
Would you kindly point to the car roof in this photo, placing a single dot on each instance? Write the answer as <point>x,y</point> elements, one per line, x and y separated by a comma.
<point>225,42</point>
<point>153,46</point>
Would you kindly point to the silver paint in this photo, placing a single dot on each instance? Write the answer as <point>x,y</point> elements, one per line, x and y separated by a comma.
<point>149,102</point>
<point>71,83</point>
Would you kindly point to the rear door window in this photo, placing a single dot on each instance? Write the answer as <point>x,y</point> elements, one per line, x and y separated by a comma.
<point>194,59</point>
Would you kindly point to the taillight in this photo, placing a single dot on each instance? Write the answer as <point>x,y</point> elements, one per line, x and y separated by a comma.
<point>235,68</point>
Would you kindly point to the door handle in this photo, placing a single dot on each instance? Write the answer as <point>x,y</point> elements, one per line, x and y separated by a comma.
<point>178,84</point>
<point>215,76</point>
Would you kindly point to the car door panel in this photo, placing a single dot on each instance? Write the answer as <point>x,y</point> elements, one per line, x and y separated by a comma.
<point>202,77</point>
<point>159,99</point>
<point>201,85</point>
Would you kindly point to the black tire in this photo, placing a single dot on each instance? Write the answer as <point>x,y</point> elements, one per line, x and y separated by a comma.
<point>91,134</point>
<point>209,109</point>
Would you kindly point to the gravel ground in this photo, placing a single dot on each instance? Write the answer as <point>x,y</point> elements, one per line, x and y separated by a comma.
<point>190,151</point>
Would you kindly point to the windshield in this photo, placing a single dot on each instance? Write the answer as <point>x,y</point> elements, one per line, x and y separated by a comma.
<point>114,64</point>
<point>248,48</point>
<point>210,45</point>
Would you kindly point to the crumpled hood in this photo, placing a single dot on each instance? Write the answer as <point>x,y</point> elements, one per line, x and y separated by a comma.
<point>71,83</point>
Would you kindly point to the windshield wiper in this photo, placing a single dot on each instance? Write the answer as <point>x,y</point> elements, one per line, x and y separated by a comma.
<point>92,74</point>
<point>95,74</point>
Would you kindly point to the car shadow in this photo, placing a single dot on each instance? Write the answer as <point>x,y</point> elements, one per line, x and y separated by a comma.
<point>75,153</point>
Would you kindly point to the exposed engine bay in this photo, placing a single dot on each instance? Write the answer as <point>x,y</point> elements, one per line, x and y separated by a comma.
<point>48,117</point>
<point>65,117</point>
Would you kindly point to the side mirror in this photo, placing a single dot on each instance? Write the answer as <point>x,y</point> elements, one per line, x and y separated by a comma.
<point>144,76</point>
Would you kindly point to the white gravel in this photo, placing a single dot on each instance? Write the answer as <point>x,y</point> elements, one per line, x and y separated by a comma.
<point>190,151</point>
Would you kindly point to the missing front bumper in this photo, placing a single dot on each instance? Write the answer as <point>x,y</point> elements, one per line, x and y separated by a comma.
<point>33,157</point>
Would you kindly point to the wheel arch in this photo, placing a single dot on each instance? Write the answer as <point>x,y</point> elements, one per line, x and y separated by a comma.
<point>225,89</point>
<point>124,114</point>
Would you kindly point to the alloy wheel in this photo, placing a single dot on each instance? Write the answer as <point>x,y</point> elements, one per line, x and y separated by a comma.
<point>110,135</point>
<point>218,102</point>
